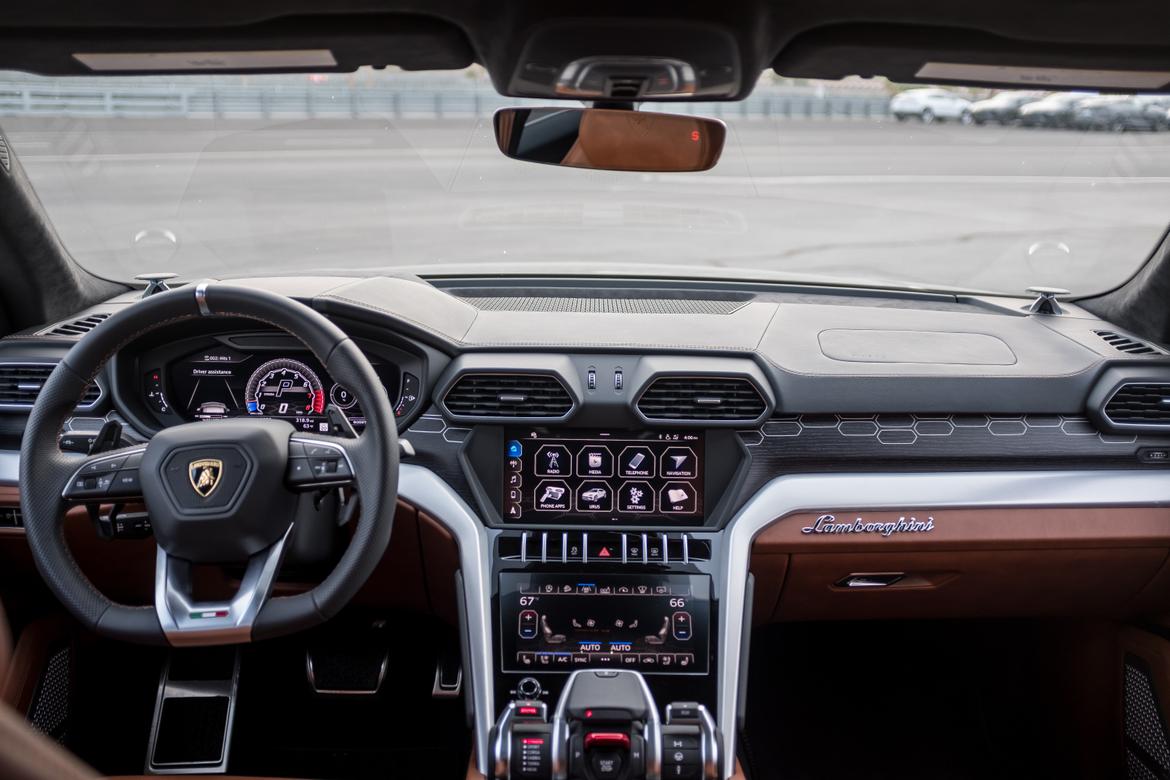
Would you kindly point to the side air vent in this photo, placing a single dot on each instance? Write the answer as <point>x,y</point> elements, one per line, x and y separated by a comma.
<point>508,395</point>
<point>702,398</point>
<point>5,157</point>
<point>21,383</point>
<point>1127,344</point>
<point>78,327</point>
<point>1140,404</point>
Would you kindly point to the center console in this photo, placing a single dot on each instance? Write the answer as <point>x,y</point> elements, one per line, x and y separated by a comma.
<point>604,549</point>
<point>606,726</point>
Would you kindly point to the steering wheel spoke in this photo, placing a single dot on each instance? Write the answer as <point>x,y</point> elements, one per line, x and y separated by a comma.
<point>104,478</point>
<point>186,621</point>
<point>316,462</point>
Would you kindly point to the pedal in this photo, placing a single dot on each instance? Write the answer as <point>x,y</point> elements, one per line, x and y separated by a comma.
<point>448,676</point>
<point>354,667</point>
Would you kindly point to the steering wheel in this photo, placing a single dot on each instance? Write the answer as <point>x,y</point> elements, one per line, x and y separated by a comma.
<point>222,491</point>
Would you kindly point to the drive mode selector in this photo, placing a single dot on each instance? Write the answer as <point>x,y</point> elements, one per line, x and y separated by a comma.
<point>605,727</point>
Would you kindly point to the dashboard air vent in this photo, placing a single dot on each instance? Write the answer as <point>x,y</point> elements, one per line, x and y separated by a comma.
<point>508,395</point>
<point>78,327</point>
<point>702,398</point>
<point>20,384</point>
<point>1140,404</point>
<point>1127,344</point>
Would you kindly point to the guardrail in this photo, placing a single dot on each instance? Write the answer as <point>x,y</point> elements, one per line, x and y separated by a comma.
<point>307,101</point>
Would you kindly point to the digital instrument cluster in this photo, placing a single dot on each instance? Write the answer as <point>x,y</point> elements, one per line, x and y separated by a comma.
<point>220,381</point>
<point>602,476</point>
<point>656,624</point>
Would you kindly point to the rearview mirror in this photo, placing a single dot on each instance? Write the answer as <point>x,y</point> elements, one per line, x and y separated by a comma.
<point>610,139</point>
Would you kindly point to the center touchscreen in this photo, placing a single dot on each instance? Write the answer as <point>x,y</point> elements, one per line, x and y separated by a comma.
<point>565,622</point>
<point>599,476</point>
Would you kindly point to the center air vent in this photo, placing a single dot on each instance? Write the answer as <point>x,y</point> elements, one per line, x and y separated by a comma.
<point>702,398</point>
<point>1140,404</point>
<point>508,395</point>
<point>21,383</point>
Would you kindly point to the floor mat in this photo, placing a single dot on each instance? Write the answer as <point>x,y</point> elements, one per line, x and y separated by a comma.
<point>930,701</point>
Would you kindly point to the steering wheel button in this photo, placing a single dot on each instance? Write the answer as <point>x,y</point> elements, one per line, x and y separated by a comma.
<point>126,483</point>
<point>320,451</point>
<point>108,466</point>
<point>299,471</point>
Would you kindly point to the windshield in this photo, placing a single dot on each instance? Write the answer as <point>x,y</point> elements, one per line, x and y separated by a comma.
<point>382,171</point>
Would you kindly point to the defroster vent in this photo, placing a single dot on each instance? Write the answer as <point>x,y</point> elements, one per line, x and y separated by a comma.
<point>508,395</point>
<point>702,398</point>
<point>78,327</point>
<point>1146,403</point>
<point>1127,344</point>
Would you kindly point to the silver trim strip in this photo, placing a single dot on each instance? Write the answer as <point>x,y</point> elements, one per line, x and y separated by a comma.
<point>424,490</point>
<point>201,299</point>
<point>177,612</point>
<point>788,494</point>
<point>9,468</point>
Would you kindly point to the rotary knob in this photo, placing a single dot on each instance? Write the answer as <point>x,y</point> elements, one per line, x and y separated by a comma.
<point>529,688</point>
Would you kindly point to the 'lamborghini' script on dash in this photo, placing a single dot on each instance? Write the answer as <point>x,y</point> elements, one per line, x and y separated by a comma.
<point>828,524</point>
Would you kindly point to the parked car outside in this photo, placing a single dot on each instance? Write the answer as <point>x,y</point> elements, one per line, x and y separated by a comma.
<point>1158,107</point>
<point>1002,108</point>
<point>1056,110</point>
<point>1116,113</point>
<point>930,105</point>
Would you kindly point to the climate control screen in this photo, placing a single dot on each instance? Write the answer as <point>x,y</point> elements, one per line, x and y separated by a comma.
<point>565,622</point>
<point>599,476</point>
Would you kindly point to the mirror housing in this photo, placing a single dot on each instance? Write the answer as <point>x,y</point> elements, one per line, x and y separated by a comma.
<point>610,139</point>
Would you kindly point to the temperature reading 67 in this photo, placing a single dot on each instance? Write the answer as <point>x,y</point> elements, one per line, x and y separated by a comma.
<point>678,603</point>
<point>527,601</point>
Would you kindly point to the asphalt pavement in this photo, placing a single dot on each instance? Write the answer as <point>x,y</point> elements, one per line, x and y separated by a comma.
<point>975,207</point>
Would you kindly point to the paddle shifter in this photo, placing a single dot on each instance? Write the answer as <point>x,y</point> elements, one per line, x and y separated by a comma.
<point>605,727</point>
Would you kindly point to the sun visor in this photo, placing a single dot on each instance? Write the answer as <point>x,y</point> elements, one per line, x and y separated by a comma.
<point>288,45</point>
<point>956,56</point>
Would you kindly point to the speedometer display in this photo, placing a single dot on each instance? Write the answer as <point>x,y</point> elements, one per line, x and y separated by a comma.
<point>284,388</point>
<point>221,381</point>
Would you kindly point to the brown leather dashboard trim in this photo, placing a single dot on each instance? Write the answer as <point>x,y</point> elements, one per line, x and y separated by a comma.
<point>976,529</point>
<point>974,562</point>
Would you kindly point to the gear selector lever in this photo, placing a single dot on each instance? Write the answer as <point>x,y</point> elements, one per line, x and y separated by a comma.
<point>605,727</point>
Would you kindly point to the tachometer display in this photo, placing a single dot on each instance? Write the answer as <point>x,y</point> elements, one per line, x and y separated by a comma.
<point>284,388</point>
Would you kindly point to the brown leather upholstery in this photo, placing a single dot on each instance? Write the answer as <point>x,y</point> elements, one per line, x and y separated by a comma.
<point>5,646</point>
<point>26,754</point>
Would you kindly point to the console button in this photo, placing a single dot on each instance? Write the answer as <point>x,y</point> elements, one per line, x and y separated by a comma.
<point>594,496</point>
<point>554,460</point>
<point>529,624</point>
<point>636,496</point>
<point>680,623</point>
<point>677,497</point>
<point>636,461</point>
<point>678,463</point>
<point>595,460</point>
<point>552,495</point>
<point>672,742</point>
<point>607,763</point>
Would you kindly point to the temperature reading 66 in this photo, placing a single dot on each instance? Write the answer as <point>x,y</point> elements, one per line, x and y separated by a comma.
<point>678,603</point>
